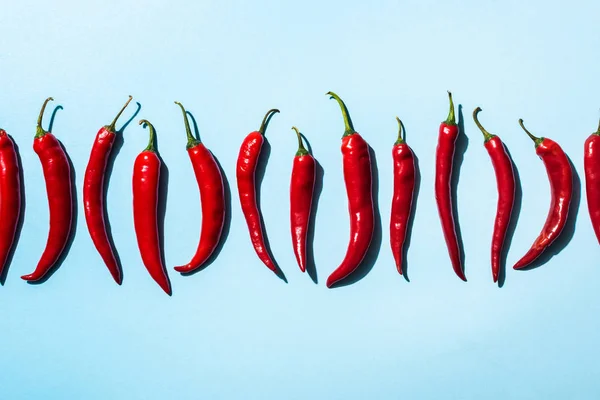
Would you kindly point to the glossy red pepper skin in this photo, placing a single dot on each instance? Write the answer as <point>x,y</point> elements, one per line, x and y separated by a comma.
<point>93,195</point>
<point>591,165</point>
<point>301,196</point>
<point>57,174</point>
<point>444,159</point>
<point>145,182</point>
<point>560,176</point>
<point>10,196</point>
<point>358,178</point>
<point>505,182</point>
<point>246,182</point>
<point>212,198</point>
<point>403,193</point>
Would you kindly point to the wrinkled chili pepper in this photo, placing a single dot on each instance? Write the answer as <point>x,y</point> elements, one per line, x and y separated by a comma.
<point>591,164</point>
<point>212,198</point>
<point>57,174</point>
<point>146,180</point>
<point>358,178</point>
<point>10,196</point>
<point>560,176</point>
<point>93,195</point>
<point>404,187</point>
<point>246,182</point>
<point>505,182</point>
<point>301,195</point>
<point>444,158</point>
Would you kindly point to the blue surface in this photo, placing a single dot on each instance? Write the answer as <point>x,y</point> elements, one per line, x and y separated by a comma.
<point>236,331</point>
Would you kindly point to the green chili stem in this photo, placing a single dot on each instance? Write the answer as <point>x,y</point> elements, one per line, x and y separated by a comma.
<point>536,140</point>
<point>347,120</point>
<point>151,141</point>
<point>191,140</point>
<point>266,119</point>
<point>451,120</point>
<point>301,149</point>
<point>400,139</point>
<point>486,135</point>
<point>111,127</point>
<point>39,130</point>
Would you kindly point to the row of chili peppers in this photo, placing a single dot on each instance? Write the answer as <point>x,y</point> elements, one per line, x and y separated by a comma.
<point>357,176</point>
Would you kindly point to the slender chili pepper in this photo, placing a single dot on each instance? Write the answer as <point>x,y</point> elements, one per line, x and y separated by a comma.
<point>10,196</point>
<point>246,181</point>
<point>444,158</point>
<point>404,187</point>
<point>301,195</point>
<point>358,178</point>
<point>505,181</point>
<point>93,195</point>
<point>212,197</point>
<point>591,164</point>
<point>560,176</point>
<point>57,174</point>
<point>146,179</point>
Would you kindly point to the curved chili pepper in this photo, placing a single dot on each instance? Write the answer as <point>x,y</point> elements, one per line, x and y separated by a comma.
<point>212,198</point>
<point>358,178</point>
<point>93,195</point>
<point>505,181</point>
<point>10,196</point>
<point>444,158</point>
<point>57,175</point>
<point>560,176</point>
<point>146,179</point>
<point>404,187</point>
<point>591,164</point>
<point>301,196</point>
<point>246,182</point>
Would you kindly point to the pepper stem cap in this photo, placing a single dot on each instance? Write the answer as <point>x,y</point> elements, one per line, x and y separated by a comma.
<point>266,119</point>
<point>451,120</point>
<point>191,140</point>
<point>39,130</point>
<point>301,149</point>
<point>536,140</point>
<point>349,128</point>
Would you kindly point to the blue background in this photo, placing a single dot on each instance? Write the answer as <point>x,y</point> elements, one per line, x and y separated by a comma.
<point>236,331</point>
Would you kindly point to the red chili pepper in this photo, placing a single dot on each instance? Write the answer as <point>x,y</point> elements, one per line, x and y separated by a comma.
<point>93,195</point>
<point>10,196</point>
<point>57,174</point>
<point>246,181</point>
<point>212,197</point>
<point>591,164</point>
<point>505,181</point>
<point>444,159</point>
<point>404,187</point>
<point>560,176</point>
<point>301,195</point>
<point>358,178</point>
<point>146,179</point>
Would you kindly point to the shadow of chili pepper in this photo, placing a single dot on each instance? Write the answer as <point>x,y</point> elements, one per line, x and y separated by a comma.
<point>260,174</point>
<point>75,202</point>
<point>21,217</point>
<point>568,231</point>
<point>116,149</point>
<point>371,257</point>
<point>311,267</point>
<point>227,198</point>
<point>411,217</point>
<point>462,143</point>
<point>512,225</point>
